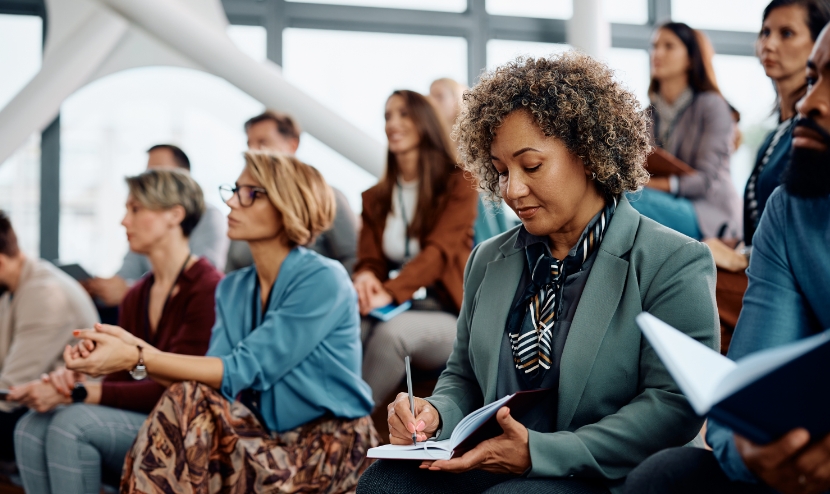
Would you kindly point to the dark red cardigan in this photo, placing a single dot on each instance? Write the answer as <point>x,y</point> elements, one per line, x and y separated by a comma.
<point>184,328</point>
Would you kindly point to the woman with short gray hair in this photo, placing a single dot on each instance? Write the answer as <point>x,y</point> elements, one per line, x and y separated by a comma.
<point>82,427</point>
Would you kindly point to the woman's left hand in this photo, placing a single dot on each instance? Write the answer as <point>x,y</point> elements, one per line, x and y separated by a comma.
<point>379,299</point>
<point>114,351</point>
<point>507,453</point>
<point>38,395</point>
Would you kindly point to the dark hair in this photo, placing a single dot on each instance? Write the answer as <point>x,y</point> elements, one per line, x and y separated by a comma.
<point>436,160</point>
<point>8,239</point>
<point>699,78</point>
<point>178,155</point>
<point>286,125</point>
<point>818,13</point>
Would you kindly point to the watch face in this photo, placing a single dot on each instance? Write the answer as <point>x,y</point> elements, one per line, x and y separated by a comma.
<point>139,373</point>
<point>79,393</point>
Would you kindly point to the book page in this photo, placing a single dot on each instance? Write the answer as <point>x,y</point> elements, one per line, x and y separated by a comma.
<point>697,369</point>
<point>472,421</point>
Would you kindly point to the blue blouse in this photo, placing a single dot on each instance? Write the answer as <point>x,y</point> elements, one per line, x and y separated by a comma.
<point>304,357</point>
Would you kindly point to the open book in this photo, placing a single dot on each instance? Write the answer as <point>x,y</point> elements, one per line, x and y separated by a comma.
<point>761,396</point>
<point>473,429</point>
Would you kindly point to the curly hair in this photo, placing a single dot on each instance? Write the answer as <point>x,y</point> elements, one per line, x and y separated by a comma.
<point>571,97</point>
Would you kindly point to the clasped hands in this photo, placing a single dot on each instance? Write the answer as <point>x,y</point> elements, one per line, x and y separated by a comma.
<point>370,292</point>
<point>104,350</point>
<point>507,453</point>
<point>791,464</point>
<point>48,392</point>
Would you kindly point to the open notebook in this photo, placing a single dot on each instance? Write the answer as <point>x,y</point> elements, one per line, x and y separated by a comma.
<point>473,429</point>
<point>761,396</point>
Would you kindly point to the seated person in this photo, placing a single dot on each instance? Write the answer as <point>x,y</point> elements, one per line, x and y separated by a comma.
<point>691,120</point>
<point>208,240</point>
<point>282,375</point>
<point>77,427</point>
<point>788,33</point>
<point>785,302</point>
<point>551,303</point>
<point>40,305</point>
<point>274,131</point>
<point>417,232</point>
<point>447,96</point>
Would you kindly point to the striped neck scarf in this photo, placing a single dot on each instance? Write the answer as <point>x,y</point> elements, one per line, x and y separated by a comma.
<point>533,319</point>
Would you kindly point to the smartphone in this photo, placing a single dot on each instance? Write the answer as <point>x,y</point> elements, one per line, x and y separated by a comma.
<point>76,271</point>
<point>4,394</point>
<point>388,312</point>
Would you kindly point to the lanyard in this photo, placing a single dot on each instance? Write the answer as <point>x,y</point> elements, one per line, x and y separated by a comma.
<point>163,307</point>
<point>405,223</point>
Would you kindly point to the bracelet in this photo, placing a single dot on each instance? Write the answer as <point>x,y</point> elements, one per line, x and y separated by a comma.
<point>139,372</point>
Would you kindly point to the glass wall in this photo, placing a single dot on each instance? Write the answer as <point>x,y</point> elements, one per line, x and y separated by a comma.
<point>733,15</point>
<point>21,49</point>
<point>106,129</point>
<point>625,11</point>
<point>353,73</point>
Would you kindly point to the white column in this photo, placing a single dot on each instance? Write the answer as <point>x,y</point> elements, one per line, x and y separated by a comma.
<point>65,69</point>
<point>174,24</point>
<point>588,30</point>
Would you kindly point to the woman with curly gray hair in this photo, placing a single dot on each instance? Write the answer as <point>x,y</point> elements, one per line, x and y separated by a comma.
<point>550,305</point>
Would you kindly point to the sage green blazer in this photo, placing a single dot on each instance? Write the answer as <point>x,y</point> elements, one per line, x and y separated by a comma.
<point>617,402</point>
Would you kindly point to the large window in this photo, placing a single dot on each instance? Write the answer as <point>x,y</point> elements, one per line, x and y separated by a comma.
<point>734,15</point>
<point>626,11</point>
<point>754,100</point>
<point>20,56</point>
<point>106,129</point>
<point>354,73</point>
<point>439,5</point>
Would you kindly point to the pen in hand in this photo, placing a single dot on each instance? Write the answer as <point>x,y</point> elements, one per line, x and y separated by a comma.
<point>411,398</point>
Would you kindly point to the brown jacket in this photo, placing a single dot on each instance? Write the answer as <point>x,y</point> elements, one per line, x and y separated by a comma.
<point>444,251</point>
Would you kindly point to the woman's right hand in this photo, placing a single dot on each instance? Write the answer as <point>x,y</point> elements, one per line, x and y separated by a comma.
<point>726,257</point>
<point>402,423</point>
<point>367,286</point>
<point>63,380</point>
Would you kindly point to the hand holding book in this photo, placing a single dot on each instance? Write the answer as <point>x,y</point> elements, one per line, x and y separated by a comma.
<point>506,453</point>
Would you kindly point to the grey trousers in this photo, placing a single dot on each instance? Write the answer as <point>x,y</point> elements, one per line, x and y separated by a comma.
<point>63,451</point>
<point>426,336</point>
<point>404,477</point>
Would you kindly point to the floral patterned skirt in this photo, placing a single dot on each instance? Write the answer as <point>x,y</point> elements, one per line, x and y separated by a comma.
<point>196,441</point>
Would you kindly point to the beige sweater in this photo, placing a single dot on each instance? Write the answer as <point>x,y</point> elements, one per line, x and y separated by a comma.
<point>36,322</point>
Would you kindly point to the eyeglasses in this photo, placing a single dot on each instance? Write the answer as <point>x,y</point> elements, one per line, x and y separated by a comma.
<point>246,194</point>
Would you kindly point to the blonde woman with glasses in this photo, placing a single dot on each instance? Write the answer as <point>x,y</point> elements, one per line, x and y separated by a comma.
<point>278,402</point>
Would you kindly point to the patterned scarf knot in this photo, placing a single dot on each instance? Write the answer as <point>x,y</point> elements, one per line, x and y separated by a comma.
<point>533,319</point>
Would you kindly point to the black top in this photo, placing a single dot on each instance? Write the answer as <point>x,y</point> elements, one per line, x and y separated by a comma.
<point>543,417</point>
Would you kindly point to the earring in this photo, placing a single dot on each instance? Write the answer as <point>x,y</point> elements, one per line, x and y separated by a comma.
<point>593,175</point>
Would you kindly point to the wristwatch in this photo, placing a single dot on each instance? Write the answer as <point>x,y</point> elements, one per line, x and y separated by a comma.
<point>79,393</point>
<point>139,372</point>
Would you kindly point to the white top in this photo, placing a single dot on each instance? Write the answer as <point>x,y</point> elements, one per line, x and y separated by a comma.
<point>394,234</point>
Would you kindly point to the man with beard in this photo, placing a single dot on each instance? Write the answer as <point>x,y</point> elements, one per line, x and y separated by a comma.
<point>38,311</point>
<point>789,275</point>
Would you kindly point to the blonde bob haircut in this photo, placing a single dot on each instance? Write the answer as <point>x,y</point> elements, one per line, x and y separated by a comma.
<point>304,201</point>
<point>163,189</point>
